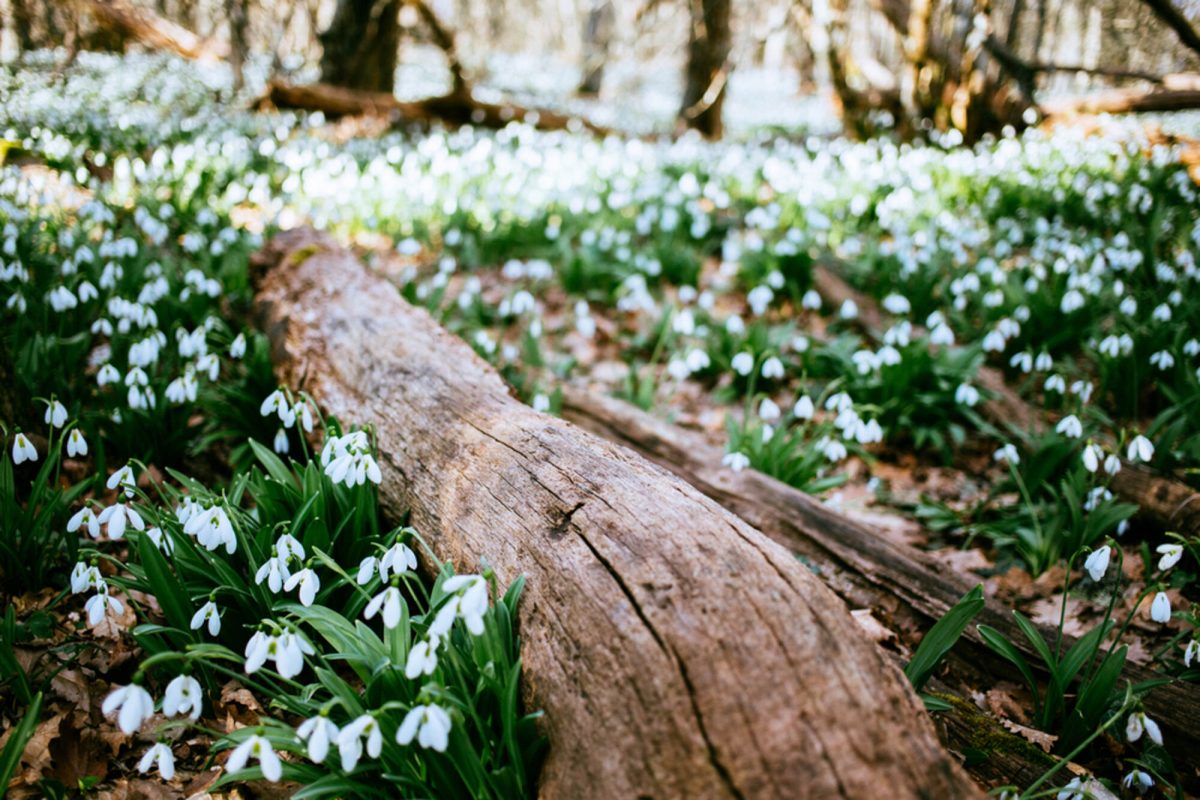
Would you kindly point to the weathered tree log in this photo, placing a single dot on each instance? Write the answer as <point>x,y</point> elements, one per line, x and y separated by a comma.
<point>1126,101</point>
<point>676,651</point>
<point>452,109</point>
<point>143,25</point>
<point>1171,503</point>
<point>904,584</point>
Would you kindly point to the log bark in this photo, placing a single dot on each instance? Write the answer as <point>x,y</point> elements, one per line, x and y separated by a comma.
<point>452,109</point>
<point>676,651</point>
<point>1171,503</point>
<point>906,586</point>
<point>1126,101</point>
<point>361,46</point>
<point>143,25</point>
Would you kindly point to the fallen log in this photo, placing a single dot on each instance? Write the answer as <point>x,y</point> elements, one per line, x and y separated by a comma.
<point>676,651</point>
<point>143,25</point>
<point>1125,101</point>
<point>909,586</point>
<point>456,108</point>
<point>1171,503</point>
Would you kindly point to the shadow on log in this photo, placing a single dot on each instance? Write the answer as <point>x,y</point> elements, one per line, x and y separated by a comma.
<point>457,108</point>
<point>1172,504</point>
<point>676,651</point>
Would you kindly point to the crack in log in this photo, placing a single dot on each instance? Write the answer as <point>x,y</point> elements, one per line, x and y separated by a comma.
<point>563,523</point>
<point>713,758</point>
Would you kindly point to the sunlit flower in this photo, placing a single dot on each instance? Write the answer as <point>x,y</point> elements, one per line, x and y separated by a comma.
<point>23,449</point>
<point>1096,563</point>
<point>392,604</point>
<point>207,615</point>
<point>422,658</point>
<point>350,741</point>
<point>183,696</point>
<point>118,516</point>
<point>87,519</point>
<point>1160,609</point>
<point>99,604</point>
<point>309,583</point>
<point>1140,449</point>
<point>317,733</point>
<point>133,705</point>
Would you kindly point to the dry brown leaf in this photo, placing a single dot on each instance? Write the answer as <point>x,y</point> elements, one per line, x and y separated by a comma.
<point>1040,738</point>
<point>874,629</point>
<point>77,754</point>
<point>36,756</point>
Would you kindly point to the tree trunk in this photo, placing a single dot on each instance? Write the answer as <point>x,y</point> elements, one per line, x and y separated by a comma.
<point>235,11</point>
<point>908,588</point>
<point>676,651</point>
<point>361,46</point>
<point>597,37</point>
<point>707,70</point>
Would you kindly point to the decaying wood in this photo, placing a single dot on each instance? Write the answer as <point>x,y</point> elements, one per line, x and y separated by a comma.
<point>453,109</point>
<point>676,651</point>
<point>1171,503</point>
<point>1126,101</point>
<point>143,25</point>
<point>907,586</point>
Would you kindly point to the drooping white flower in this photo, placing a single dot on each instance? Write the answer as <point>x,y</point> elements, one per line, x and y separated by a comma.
<point>429,724</point>
<point>472,591</point>
<point>99,604</point>
<point>772,368</point>
<point>259,648</point>
<point>735,461</point>
<point>1007,453</point>
<point>422,658</point>
<point>769,410</point>
<point>124,479</point>
<point>1074,790</point>
<point>56,413</point>
<point>290,650</point>
<point>1091,456</point>
<point>317,733</point>
<point>1070,426</point>
<point>1096,563</point>
<point>85,577</point>
<point>1191,652</point>
<point>159,755</point>
<point>280,445</point>
<point>23,449</point>
<point>183,696</point>
<point>275,572</point>
<point>966,395</point>
<point>350,741</point>
<point>76,444</point>
<point>1160,609</point>
<point>309,583</point>
<point>1138,723</point>
<point>133,705</point>
<point>397,560</point>
<point>160,540</point>
<point>212,529</point>
<point>260,749</point>
<point>1171,553</point>
<point>85,518</point>
<point>238,348</point>
<point>1140,449</point>
<point>391,603</point>
<point>207,615</point>
<point>1139,781</point>
<point>118,516</point>
<point>742,363</point>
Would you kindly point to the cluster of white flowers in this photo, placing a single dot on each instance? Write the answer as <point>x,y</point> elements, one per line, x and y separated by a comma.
<point>347,459</point>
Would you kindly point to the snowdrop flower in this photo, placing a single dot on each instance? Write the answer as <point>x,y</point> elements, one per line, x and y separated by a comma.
<point>1008,453</point>
<point>275,572</point>
<point>1070,426</point>
<point>317,733</point>
<point>238,348</point>
<point>1171,553</point>
<point>768,409</point>
<point>760,298</point>
<point>849,310</point>
<point>23,449</point>
<point>212,528</point>
<point>897,304</point>
<point>208,615</point>
<point>107,374</point>
<point>259,748</point>
<point>56,413</point>
<point>803,409</point>
<point>942,336</point>
<point>429,724</point>
<point>76,444</point>
<point>280,445</point>
<point>811,300</point>
<point>1112,464</point>
<point>772,368</point>
<point>1138,781</point>
<point>1091,456</point>
<point>1043,362</point>
<point>259,648</point>
<point>160,540</point>
<point>117,517</point>
<point>159,755</point>
<point>994,342</point>
<point>1055,383</point>
<point>85,577</point>
<point>1072,791</point>
<point>735,461</point>
<point>100,604</point>
<point>392,604</point>
<point>743,363</point>
<point>183,696</point>
<point>422,659</point>
<point>1160,609</point>
<point>1139,723</point>
<point>276,403</point>
<point>1139,449</point>
<point>85,518</point>
<point>834,450</point>
<point>966,394</point>
<point>471,605</point>
<point>291,648</point>
<point>122,478</point>
<point>133,705</point>
<point>398,560</point>
<point>309,583</point>
<point>1097,563</point>
<point>350,741</point>
<point>1191,652</point>
<point>1163,360</point>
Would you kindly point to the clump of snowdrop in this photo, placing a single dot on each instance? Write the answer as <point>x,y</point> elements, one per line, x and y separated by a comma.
<point>347,459</point>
